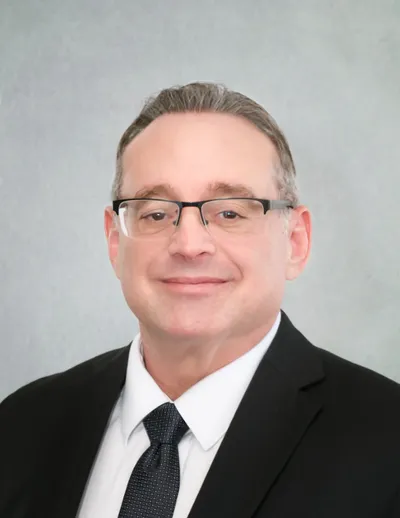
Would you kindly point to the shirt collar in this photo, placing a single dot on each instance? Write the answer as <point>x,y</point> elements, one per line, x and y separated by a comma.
<point>207,407</point>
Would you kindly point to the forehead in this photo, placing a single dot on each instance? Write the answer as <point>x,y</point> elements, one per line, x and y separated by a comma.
<point>192,151</point>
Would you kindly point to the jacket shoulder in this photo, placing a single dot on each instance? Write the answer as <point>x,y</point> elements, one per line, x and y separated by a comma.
<point>358,384</point>
<point>51,386</point>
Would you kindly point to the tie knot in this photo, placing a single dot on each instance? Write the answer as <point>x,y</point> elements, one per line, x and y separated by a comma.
<point>165,425</point>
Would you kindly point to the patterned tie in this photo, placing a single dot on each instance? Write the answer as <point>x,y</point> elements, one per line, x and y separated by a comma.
<point>154,484</point>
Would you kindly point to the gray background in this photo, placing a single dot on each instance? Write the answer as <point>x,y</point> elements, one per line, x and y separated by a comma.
<point>73,76</point>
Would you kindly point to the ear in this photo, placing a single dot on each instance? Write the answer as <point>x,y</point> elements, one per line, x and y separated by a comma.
<point>299,239</point>
<point>112,236</point>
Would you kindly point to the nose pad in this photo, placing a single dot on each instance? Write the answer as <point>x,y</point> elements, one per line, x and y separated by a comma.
<point>202,219</point>
<point>193,238</point>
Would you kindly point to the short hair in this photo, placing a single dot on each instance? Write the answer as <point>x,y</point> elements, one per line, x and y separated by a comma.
<point>201,97</point>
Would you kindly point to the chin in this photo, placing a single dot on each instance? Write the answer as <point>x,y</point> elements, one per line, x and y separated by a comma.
<point>180,321</point>
<point>189,329</point>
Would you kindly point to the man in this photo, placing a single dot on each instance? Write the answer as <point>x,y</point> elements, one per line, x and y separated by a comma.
<point>219,407</point>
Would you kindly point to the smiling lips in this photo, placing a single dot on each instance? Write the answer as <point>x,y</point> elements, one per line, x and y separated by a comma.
<point>193,280</point>
<point>193,285</point>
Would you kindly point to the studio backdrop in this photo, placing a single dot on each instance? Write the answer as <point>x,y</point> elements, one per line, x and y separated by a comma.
<point>74,74</point>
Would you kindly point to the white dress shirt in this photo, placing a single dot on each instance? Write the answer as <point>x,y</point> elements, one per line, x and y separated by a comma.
<point>207,407</point>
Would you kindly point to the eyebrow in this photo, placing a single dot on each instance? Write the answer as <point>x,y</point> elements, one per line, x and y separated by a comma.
<point>231,189</point>
<point>212,189</point>
<point>153,191</point>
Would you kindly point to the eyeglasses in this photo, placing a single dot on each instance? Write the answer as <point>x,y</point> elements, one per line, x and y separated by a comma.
<point>150,216</point>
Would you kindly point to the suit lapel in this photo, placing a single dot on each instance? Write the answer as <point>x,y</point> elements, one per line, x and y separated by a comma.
<point>268,425</point>
<point>82,434</point>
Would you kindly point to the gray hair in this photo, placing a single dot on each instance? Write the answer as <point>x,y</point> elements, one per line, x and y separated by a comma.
<point>217,98</point>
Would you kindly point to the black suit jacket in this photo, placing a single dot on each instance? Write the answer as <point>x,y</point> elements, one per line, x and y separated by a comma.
<point>314,436</point>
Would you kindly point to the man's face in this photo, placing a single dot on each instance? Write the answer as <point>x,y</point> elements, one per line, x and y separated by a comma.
<point>185,157</point>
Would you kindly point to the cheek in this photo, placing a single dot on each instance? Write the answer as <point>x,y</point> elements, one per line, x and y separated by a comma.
<point>133,264</point>
<point>264,262</point>
<point>140,264</point>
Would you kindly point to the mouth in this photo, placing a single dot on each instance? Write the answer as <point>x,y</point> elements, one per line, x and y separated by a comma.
<point>194,285</point>
<point>194,280</point>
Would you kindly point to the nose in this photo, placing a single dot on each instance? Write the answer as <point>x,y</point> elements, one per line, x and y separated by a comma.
<point>191,238</point>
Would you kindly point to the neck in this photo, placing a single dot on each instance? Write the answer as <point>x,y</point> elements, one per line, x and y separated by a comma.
<point>177,363</point>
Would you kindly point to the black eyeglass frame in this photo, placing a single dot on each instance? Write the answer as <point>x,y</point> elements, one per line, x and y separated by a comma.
<point>267,204</point>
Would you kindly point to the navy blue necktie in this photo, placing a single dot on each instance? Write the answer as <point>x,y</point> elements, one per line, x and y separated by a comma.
<point>154,484</point>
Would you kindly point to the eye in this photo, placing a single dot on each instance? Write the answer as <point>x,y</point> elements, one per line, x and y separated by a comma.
<point>229,214</point>
<point>155,216</point>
